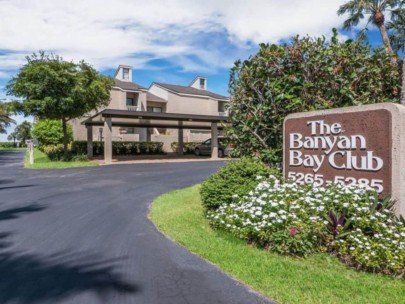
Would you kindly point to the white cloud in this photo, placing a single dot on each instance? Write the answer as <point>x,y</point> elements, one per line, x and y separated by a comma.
<point>106,33</point>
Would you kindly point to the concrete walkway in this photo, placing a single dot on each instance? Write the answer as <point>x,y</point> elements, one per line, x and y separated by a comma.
<point>83,236</point>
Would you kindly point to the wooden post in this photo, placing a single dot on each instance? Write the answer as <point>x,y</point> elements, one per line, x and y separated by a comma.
<point>180,139</point>
<point>107,140</point>
<point>89,141</point>
<point>214,140</point>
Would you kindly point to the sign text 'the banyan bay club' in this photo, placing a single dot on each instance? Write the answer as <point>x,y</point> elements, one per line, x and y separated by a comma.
<point>356,145</point>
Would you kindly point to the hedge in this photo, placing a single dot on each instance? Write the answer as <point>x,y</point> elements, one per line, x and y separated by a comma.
<point>188,148</point>
<point>10,144</point>
<point>120,147</point>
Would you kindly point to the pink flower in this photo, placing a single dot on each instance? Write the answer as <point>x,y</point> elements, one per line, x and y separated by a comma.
<point>293,231</point>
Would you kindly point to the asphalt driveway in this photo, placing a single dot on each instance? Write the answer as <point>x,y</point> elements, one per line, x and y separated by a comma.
<point>83,236</point>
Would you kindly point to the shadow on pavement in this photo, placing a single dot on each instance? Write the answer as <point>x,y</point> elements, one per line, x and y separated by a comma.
<point>28,278</point>
<point>13,187</point>
<point>14,213</point>
<point>6,181</point>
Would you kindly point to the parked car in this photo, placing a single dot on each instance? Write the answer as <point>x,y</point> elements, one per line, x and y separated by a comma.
<point>224,147</point>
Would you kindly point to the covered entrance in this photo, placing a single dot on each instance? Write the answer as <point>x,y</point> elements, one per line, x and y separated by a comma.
<point>110,118</point>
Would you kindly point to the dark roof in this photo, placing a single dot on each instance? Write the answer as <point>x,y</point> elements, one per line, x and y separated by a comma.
<point>190,90</point>
<point>142,119</point>
<point>151,97</point>
<point>127,85</point>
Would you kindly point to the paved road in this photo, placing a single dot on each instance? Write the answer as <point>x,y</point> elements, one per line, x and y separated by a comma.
<point>82,236</point>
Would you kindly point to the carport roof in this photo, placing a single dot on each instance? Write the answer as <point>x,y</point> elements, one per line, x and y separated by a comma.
<point>142,119</point>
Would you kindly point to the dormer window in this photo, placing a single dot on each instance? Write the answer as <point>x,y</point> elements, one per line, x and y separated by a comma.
<point>202,83</point>
<point>125,73</point>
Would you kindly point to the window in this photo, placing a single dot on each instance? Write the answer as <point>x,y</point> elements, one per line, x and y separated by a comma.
<point>207,142</point>
<point>131,102</point>
<point>125,73</point>
<point>155,109</point>
<point>130,130</point>
<point>202,83</point>
<point>221,106</point>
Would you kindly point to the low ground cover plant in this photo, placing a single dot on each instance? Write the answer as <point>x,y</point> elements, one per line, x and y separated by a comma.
<point>299,220</point>
<point>237,178</point>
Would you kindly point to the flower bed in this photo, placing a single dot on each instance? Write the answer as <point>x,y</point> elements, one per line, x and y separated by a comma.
<point>303,219</point>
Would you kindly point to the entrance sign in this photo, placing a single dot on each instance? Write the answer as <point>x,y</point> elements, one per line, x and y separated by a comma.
<point>357,145</point>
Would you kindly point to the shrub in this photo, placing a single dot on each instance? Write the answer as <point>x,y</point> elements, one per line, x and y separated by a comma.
<point>8,145</point>
<point>305,75</point>
<point>294,219</point>
<point>54,152</point>
<point>239,177</point>
<point>120,147</point>
<point>188,147</point>
<point>50,132</point>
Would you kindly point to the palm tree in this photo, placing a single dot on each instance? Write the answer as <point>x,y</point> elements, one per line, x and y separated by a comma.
<point>5,119</point>
<point>375,8</point>
<point>396,27</point>
<point>403,79</point>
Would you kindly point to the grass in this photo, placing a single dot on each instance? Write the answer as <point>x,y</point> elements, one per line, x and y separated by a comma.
<point>41,161</point>
<point>318,279</point>
<point>11,149</point>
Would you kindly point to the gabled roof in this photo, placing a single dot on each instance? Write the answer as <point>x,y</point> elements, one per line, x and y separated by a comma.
<point>190,90</point>
<point>128,85</point>
<point>152,97</point>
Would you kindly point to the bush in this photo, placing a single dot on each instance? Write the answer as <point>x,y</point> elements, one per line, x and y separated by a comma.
<point>239,177</point>
<point>188,147</point>
<point>120,147</point>
<point>305,75</point>
<point>50,132</point>
<point>8,145</point>
<point>294,219</point>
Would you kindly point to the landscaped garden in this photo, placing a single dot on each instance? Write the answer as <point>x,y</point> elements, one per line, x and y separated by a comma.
<point>319,278</point>
<point>295,243</point>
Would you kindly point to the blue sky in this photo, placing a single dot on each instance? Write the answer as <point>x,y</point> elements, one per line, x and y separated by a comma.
<point>168,41</point>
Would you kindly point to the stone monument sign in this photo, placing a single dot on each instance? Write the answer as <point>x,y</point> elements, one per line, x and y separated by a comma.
<point>356,145</point>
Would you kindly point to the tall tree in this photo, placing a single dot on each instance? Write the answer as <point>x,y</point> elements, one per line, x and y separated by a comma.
<point>5,119</point>
<point>396,28</point>
<point>23,131</point>
<point>376,9</point>
<point>56,89</point>
<point>12,137</point>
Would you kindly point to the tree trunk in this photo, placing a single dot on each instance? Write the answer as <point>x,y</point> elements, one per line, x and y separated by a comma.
<point>387,42</point>
<point>65,139</point>
<point>403,79</point>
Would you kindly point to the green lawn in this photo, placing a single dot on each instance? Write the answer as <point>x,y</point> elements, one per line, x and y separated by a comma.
<point>41,161</point>
<point>318,279</point>
<point>11,149</point>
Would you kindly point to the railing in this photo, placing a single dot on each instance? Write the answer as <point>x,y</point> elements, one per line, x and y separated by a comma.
<point>222,114</point>
<point>133,108</point>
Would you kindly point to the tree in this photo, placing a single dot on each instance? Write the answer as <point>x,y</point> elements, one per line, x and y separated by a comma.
<point>56,89</point>
<point>376,9</point>
<point>307,74</point>
<point>396,28</point>
<point>5,119</point>
<point>12,137</point>
<point>50,132</point>
<point>23,131</point>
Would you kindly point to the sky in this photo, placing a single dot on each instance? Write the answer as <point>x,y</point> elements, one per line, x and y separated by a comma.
<point>168,41</point>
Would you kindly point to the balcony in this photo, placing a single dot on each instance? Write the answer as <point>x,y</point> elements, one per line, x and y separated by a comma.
<point>134,108</point>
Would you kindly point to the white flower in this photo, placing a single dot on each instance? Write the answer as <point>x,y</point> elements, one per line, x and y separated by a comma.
<point>352,248</point>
